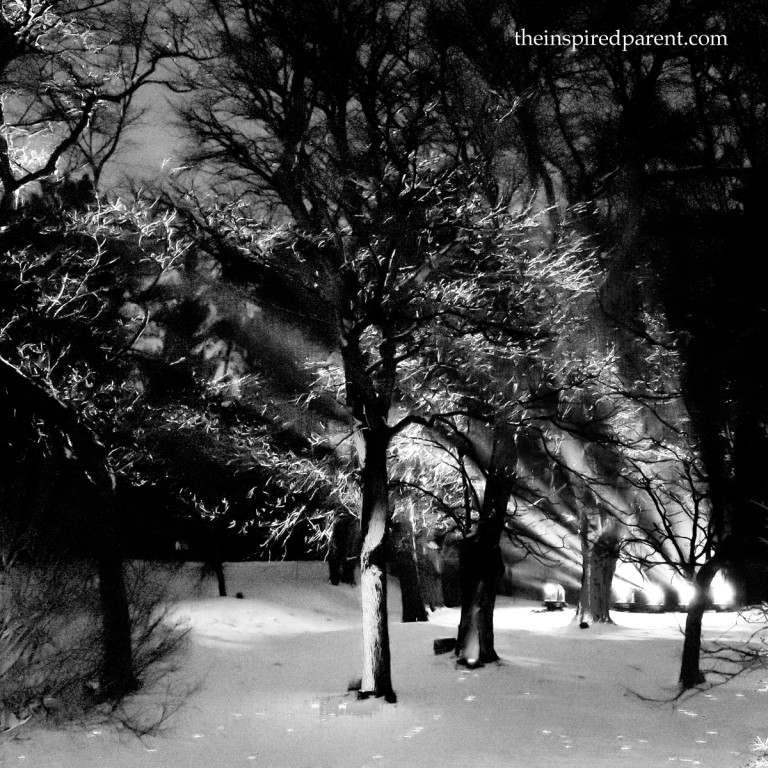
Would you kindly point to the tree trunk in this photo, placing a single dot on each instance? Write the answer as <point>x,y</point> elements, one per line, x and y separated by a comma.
<point>481,569</point>
<point>377,678</point>
<point>218,567</point>
<point>599,552</point>
<point>480,561</point>
<point>429,560</point>
<point>584,608</point>
<point>408,571</point>
<point>344,549</point>
<point>604,562</point>
<point>216,558</point>
<point>450,570</point>
<point>690,673</point>
<point>117,676</point>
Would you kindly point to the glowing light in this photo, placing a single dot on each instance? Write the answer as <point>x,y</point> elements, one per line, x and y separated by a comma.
<point>685,592</point>
<point>722,592</point>
<point>654,594</point>
<point>553,593</point>
<point>622,592</point>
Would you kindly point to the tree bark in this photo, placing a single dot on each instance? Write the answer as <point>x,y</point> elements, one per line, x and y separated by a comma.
<point>480,560</point>
<point>377,677</point>
<point>429,560</point>
<point>216,557</point>
<point>344,550</point>
<point>218,567</point>
<point>408,571</point>
<point>450,570</point>
<point>599,560</point>
<point>118,677</point>
<point>690,672</point>
<point>481,567</point>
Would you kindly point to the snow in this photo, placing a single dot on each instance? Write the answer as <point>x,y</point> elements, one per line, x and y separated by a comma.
<point>263,680</point>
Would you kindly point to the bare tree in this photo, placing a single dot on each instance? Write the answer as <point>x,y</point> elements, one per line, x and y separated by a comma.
<point>326,112</point>
<point>69,71</point>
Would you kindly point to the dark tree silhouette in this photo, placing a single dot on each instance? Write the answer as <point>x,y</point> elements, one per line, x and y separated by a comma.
<point>20,394</point>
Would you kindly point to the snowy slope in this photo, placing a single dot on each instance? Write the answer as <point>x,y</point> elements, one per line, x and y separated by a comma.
<point>270,671</point>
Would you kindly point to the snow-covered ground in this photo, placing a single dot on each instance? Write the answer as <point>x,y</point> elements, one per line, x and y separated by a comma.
<point>266,676</point>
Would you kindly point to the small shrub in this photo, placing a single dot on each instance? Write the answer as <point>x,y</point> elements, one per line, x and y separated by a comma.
<point>156,638</point>
<point>51,637</point>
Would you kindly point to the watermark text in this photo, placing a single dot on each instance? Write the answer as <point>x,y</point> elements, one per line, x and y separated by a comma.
<point>617,39</point>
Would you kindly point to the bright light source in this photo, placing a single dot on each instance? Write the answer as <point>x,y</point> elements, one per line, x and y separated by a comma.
<point>622,592</point>
<point>654,594</point>
<point>685,592</point>
<point>553,593</point>
<point>722,592</point>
